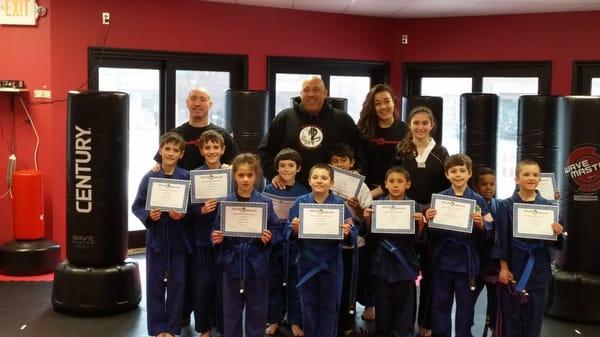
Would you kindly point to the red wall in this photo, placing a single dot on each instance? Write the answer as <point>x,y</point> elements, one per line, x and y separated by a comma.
<point>55,54</point>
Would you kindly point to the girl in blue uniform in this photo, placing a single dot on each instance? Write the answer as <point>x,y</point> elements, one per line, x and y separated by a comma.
<point>395,266</point>
<point>320,261</point>
<point>244,260</point>
<point>166,245</point>
<point>524,261</point>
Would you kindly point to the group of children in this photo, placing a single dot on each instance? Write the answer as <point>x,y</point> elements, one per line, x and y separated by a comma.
<point>313,281</point>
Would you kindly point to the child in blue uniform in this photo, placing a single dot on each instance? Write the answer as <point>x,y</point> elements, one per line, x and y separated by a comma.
<point>455,262</point>
<point>282,256</point>
<point>524,261</point>
<point>320,261</point>
<point>395,266</point>
<point>244,260</point>
<point>212,146</point>
<point>166,245</point>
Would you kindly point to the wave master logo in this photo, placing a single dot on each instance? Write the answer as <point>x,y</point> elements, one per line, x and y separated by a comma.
<point>583,168</point>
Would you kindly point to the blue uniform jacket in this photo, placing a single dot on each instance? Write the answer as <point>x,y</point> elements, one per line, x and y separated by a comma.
<point>515,250</point>
<point>165,233</point>
<point>457,251</point>
<point>295,190</point>
<point>252,249</point>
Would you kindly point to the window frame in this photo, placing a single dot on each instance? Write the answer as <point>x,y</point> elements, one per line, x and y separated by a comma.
<point>583,72</point>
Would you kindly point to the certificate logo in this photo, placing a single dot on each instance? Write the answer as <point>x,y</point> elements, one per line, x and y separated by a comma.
<point>311,136</point>
<point>583,168</point>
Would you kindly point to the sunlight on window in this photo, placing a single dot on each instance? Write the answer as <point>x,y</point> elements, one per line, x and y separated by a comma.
<point>596,86</point>
<point>286,87</point>
<point>353,88</point>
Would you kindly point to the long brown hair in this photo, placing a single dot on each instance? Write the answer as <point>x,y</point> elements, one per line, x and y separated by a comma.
<point>407,148</point>
<point>367,123</point>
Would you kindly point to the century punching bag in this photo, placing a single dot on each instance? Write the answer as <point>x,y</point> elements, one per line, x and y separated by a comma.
<point>96,278</point>
<point>339,103</point>
<point>478,121</point>
<point>574,292</point>
<point>246,117</point>
<point>434,103</point>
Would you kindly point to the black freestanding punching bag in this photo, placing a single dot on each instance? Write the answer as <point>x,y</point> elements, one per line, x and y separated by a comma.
<point>478,122</point>
<point>339,103</point>
<point>574,292</point>
<point>246,116</point>
<point>434,103</point>
<point>96,278</point>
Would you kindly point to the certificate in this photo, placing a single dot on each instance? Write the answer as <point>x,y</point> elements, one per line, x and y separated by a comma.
<point>168,194</point>
<point>532,221</point>
<point>452,213</point>
<point>210,184</point>
<point>547,186</point>
<point>393,217</point>
<point>321,221</point>
<point>346,184</point>
<point>243,219</point>
<point>281,205</point>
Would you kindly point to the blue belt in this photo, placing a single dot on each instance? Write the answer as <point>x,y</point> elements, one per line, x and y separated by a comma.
<point>531,250</point>
<point>470,264</point>
<point>320,266</point>
<point>390,247</point>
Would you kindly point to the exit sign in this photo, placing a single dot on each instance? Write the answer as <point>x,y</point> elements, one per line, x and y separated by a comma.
<point>20,12</point>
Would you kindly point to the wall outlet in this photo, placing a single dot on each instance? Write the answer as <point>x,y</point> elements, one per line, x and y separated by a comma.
<point>105,18</point>
<point>42,93</point>
<point>404,39</point>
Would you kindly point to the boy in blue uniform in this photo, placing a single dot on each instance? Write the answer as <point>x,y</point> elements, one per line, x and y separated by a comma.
<point>166,245</point>
<point>395,266</point>
<point>212,146</point>
<point>320,261</point>
<point>282,256</point>
<point>244,260</point>
<point>524,261</point>
<point>455,262</point>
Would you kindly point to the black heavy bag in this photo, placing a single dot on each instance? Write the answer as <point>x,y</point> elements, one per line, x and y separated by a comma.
<point>246,116</point>
<point>478,122</point>
<point>537,132</point>
<point>575,290</point>
<point>434,103</point>
<point>339,103</point>
<point>97,145</point>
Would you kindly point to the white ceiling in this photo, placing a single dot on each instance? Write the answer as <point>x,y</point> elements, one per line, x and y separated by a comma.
<point>426,8</point>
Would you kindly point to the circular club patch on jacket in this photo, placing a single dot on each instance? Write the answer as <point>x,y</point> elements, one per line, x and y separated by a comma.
<point>583,168</point>
<point>311,136</point>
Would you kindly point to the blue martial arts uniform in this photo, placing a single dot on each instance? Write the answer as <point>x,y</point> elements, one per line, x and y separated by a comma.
<point>167,242</point>
<point>245,267</point>
<point>320,273</point>
<point>395,266</point>
<point>529,261</point>
<point>282,268</point>
<point>455,265</point>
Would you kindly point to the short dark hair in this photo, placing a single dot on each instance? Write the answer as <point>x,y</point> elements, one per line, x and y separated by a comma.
<point>524,162</point>
<point>398,169</point>
<point>212,136</point>
<point>288,153</point>
<point>458,160</point>
<point>321,166</point>
<point>341,150</point>
<point>482,171</point>
<point>172,137</point>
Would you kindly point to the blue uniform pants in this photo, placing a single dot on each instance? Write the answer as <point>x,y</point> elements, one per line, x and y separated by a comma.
<point>253,300</point>
<point>203,286</point>
<point>395,308</point>
<point>446,286</point>
<point>277,293</point>
<point>522,320</point>
<point>320,302</point>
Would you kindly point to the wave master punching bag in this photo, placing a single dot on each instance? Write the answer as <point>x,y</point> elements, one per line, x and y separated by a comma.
<point>246,117</point>
<point>96,278</point>
<point>435,103</point>
<point>478,120</point>
<point>574,292</point>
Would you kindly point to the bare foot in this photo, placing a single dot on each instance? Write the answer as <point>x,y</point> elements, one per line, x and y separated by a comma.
<point>297,331</point>
<point>271,329</point>
<point>424,332</point>
<point>205,334</point>
<point>368,314</point>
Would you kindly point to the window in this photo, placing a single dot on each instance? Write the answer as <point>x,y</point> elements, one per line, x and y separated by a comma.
<point>509,80</point>
<point>586,78</point>
<point>157,84</point>
<point>343,78</point>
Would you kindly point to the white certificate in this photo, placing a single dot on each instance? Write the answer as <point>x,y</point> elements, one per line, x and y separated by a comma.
<point>346,184</point>
<point>547,186</point>
<point>321,221</point>
<point>210,184</point>
<point>243,219</point>
<point>532,221</point>
<point>393,217</point>
<point>281,205</point>
<point>168,194</point>
<point>452,213</point>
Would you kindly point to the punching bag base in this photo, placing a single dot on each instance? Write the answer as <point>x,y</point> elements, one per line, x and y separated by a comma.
<point>574,296</point>
<point>92,291</point>
<point>26,258</point>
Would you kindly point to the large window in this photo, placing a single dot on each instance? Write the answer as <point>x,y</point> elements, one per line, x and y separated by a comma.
<point>157,84</point>
<point>509,80</point>
<point>343,78</point>
<point>586,78</point>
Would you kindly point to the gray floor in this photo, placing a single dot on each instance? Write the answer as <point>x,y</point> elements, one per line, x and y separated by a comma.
<point>25,310</point>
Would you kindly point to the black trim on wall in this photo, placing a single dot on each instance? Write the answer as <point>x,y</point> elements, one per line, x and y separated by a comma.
<point>583,72</point>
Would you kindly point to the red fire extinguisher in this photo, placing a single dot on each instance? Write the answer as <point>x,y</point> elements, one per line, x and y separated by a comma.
<point>28,205</point>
